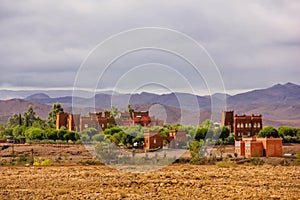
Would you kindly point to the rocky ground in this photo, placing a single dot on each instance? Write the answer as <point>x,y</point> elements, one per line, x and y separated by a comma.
<point>182,181</point>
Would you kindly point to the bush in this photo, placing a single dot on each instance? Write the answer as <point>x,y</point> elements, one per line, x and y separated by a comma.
<point>38,162</point>
<point>225,164</point>
<point>100,137</point>
<point>257,161</point>
<point>34,133</point>
<point>268,131</point>
<point>297,160</point>
<point>46,162</point>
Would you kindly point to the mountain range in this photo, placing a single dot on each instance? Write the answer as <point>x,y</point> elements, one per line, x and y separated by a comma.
<point>279,104</point>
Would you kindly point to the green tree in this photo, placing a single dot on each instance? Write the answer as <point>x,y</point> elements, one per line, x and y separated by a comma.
<point>195,148</point>
<point>14,120</point>
<point>71,135</point>
<point>130,110</point>
<point>39,123</point>
<point>268,131</point>
<point>51,134</point>
<point>29,116</point>
<point>18,131</point>
<point>207,124</point>
<point>200,133</point>
<point>56,108</point>
<point>223,131</point>
<point>164,132</point>
<point>90,132</point>
<point>287,131</point>
<point>61,132</point>
<point>230,139</point>
<point>33,133</point>
<point>99,137</point>
<point>115,113</point>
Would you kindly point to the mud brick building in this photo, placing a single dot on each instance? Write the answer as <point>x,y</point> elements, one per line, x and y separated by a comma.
<point>75,122</point>
<point>268,147</point>
<point>100,121</point>
<point>242,125</point>
<point>141,118</point>
<point>153,139</point>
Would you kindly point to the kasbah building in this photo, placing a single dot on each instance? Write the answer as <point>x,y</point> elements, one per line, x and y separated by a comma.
<point>100,121</point>
<point>244,127</point>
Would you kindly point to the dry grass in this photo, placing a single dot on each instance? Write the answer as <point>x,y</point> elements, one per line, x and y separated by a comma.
<point>173,182</point>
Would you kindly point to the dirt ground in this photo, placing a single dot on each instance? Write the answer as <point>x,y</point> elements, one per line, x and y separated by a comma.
<point>78,154</point>
<point>181,181</point>
<point>70,178</point>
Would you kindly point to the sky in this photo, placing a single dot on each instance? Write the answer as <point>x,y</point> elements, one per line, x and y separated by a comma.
<point>253,44</point>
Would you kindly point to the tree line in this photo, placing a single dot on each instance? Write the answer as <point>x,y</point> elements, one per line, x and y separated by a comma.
<point>30,126</point>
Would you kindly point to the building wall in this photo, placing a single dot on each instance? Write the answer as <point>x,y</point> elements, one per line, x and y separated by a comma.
<point>89,122</point>
<point>247,126</point>
<point>239,148</point>
<point>272,146</point>
<point>253,149</point>
<point>242,125</point>
<point>153,140</point>
<point>61,120</point>
<point>269,147</point>
<point>227,119</point>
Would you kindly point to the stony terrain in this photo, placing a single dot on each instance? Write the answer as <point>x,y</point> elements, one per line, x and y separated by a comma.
<point>173,182</point>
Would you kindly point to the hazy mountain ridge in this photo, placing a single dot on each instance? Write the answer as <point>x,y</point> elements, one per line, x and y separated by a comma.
<point>279,104</point>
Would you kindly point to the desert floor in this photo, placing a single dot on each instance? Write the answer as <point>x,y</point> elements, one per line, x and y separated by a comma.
<point>180,181</point>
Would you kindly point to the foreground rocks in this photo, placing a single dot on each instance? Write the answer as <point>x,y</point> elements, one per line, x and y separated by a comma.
<point>173,182</point>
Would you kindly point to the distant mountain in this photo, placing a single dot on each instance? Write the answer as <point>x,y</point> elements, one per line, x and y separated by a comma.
<point>12,106</point>
<point>37,97</point>
<point>279,104</point>
<point>287,93</point>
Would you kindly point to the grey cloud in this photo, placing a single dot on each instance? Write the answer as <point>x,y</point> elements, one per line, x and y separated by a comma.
<point>48,40</point>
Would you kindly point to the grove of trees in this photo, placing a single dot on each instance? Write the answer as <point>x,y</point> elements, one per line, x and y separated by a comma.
<point>30,126</point>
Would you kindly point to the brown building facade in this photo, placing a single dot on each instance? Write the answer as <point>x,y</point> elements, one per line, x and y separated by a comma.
<point>242,125</point>
<point>153,139</point>
<point>269,147</point>
<point>100,121</point>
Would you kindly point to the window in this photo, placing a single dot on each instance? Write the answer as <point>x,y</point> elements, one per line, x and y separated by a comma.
<point>154,141</point>
<point>238,125</point>
<point>242,125</point>
<point>258,125</point>
<point>86,125</point>
<point>249,125</point>
<point>254,125</point>
<point>246,125</point>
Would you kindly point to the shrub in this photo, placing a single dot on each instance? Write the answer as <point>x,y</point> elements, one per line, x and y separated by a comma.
<point>225,164</point>
<point>297,160</point>
<point>257,161</point>
<point>46,162</point>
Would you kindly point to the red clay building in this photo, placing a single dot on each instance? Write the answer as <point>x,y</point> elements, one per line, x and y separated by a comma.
<point>78,123</point>
<point>249,147</point>
<point>101,121</point>
<point>141,118</point>
<point>242,125</point>
<point>153,139</point>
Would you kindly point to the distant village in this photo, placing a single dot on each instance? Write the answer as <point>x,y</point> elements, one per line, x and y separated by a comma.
<point>244,127</point>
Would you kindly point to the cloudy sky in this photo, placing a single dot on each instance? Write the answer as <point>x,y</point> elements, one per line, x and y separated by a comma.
<point>254,44</point>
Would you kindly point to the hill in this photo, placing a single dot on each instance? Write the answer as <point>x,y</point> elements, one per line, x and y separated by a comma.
<point>279,104</point>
